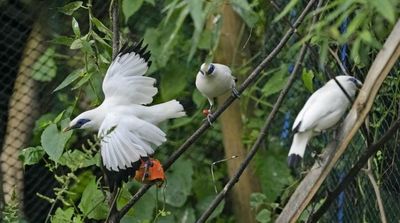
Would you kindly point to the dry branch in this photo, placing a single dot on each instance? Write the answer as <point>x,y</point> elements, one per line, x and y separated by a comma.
<point>362,105</point>
<point>196,135</point>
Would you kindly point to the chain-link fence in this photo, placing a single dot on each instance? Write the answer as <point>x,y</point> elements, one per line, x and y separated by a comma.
<point>25,31</point>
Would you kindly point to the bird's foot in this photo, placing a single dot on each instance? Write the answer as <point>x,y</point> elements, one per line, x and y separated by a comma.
<point>235,93</point>
<point>208,114</point>
<point>147,164</point>
<point>318,158</point>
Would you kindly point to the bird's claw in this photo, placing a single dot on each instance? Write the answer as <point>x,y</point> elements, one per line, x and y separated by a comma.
<point>147,165</point>
<point>209,117</point>
<point>235,93</point>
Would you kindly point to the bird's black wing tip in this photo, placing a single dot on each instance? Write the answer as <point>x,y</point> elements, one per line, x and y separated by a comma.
<point>294,160</point>
<point>137,48</point>
<point>116,178</point>
<point>296,129</point>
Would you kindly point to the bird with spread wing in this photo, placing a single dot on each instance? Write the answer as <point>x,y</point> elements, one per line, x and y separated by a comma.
<point>127,127</point>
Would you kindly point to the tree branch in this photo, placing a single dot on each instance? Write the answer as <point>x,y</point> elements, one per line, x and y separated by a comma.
<point>371,177</point>
<point>196,135</point>
<point>115,26</point>
<point>381,66</point>
<point>369,152</point>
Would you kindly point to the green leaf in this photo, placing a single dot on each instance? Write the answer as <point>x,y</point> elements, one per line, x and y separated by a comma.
<point>276,82</point>
<point>307,77</point>
<point>75,27</point>
<point>264,216</point>
<point>173,37</point>
<point>174,74</point>
<point>53,141</point>
<point>257,199</point>
<point>69,79</point>
<point>77,159</point>
<point>62,216</point>
<point>286,10</point>
<point>386,9</point>
<point>101,27</point>
<point>245,11</point>
<point>86,77</point>
<point>151,2</point>
<point>205,40</point>
<point>45,69</point>
<point>179,183</point>
<point>79,43</point>
<point>62,40</point>
<point>93,203</point>
<point>196,12</point>
<point>31,155</point>
<point>129,7</point>
<point>80,184</point>
<point>70,8</point>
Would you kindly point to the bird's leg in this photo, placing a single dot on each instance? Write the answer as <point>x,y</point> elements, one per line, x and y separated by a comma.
<point>147,165</point>
<point>318,157</point>
<point>210,115</point>
<point>235,92</point>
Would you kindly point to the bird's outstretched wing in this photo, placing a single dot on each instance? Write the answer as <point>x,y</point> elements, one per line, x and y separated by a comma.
<point>125,140</point>
<point>124,81</point>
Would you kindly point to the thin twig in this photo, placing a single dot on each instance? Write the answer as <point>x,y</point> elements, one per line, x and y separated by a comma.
<point>260,139</point>
<point>369,152</point>
<point>196,135</point>
<point>371,177</point>
<point>115,27</point>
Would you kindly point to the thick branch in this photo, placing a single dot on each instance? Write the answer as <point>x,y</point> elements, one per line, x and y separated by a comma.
<point>362,105</point>
<point>196,135</point>
<point>369,152</point>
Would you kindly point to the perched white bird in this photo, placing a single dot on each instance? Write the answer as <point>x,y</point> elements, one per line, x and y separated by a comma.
<point>322,111</point>
<point>213,80</point>
<point>126,127</point>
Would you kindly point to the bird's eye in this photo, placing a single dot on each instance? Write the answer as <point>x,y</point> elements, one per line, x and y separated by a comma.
<point>211,69</point>
<point>82,122</point>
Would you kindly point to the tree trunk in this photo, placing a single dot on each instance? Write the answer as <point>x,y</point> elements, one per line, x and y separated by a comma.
<point>229,52</point>
<point>22,114</point>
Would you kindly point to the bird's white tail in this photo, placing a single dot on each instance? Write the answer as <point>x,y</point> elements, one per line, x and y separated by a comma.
<point>298,148</point>
<point>167,110</point>
<point>299,143</point>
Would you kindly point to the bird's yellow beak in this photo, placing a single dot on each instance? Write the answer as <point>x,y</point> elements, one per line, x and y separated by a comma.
<point>66,129</point>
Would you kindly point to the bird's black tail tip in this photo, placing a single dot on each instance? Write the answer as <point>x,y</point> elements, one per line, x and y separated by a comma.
<point>294,160</point>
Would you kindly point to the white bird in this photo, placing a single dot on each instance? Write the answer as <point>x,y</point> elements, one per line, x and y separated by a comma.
<point>323,110</point>
<point>127,129</point>
<point>214,80</point>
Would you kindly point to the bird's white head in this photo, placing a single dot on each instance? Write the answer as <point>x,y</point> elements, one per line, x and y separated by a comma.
<point>349,83</point>
<point>86,120</point>
<point>207,69</point>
